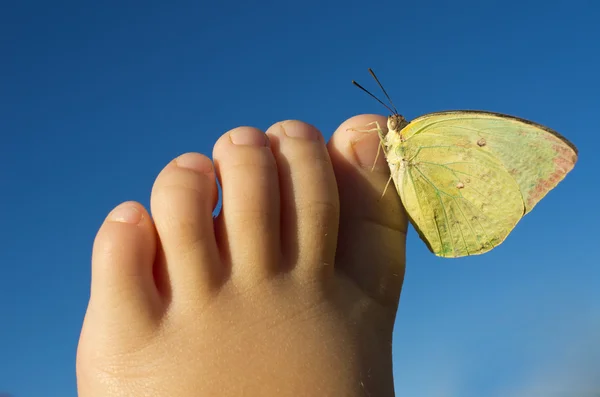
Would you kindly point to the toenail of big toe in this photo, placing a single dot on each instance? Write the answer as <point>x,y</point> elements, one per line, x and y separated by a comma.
<point>248,137</point>
<point>194,162</point>
<point>295,129</point>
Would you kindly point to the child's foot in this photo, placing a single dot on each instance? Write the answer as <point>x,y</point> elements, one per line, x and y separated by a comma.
<point>258,302</point>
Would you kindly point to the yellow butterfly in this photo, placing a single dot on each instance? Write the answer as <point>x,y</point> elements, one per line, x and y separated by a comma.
<point>467,177</point>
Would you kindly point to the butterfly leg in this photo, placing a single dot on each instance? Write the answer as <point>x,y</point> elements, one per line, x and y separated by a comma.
<point>377,129</point>
<point>375,123</point>
<point>386,186</point>
<point>381,138</point>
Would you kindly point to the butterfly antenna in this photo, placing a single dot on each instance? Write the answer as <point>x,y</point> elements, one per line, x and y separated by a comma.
<point>377,99</point>
<point>384,91</point>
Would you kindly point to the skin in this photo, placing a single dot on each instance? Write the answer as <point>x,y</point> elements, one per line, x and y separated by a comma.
<point>291,291</point>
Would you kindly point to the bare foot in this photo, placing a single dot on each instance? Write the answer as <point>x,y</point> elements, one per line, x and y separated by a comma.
<point>291,291</point>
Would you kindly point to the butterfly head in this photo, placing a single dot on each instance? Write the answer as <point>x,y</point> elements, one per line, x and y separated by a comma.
<point>396,122</point>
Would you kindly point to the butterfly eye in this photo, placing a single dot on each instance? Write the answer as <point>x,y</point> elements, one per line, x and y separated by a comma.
<point>396,122</point>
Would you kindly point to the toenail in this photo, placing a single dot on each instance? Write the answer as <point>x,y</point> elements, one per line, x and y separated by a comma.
<point>295,129</point>
<point>249,137</point>
<point>365,152</point>
<point>194,162</point>
<point>126,213</point>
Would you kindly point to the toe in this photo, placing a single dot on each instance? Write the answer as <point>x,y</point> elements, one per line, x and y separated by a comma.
<point>248,225</point>
<point>371,245</point>
<point>122,263</point>
<point>309,197</point>
<point>125,307</point>
<point>183,198</point>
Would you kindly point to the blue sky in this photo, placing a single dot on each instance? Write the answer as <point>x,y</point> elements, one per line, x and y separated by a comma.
<point>96,98</point>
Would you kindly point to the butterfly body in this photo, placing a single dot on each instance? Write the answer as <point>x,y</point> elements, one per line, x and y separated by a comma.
<point>466,178</point>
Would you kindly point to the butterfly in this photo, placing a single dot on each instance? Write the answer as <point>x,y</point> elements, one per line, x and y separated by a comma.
<point>466,177</point>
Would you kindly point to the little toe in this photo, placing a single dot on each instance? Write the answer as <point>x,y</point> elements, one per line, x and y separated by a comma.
<point>371,245</point>
<point>309,197</point>
<point>183,198</point>
<point>248,225</point>
<point>122,263</point>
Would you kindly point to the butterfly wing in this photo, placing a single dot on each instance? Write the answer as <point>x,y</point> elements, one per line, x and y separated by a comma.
<point>468,177</point>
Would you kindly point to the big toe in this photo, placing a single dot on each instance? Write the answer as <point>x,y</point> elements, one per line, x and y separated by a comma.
<point>372,236</point>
